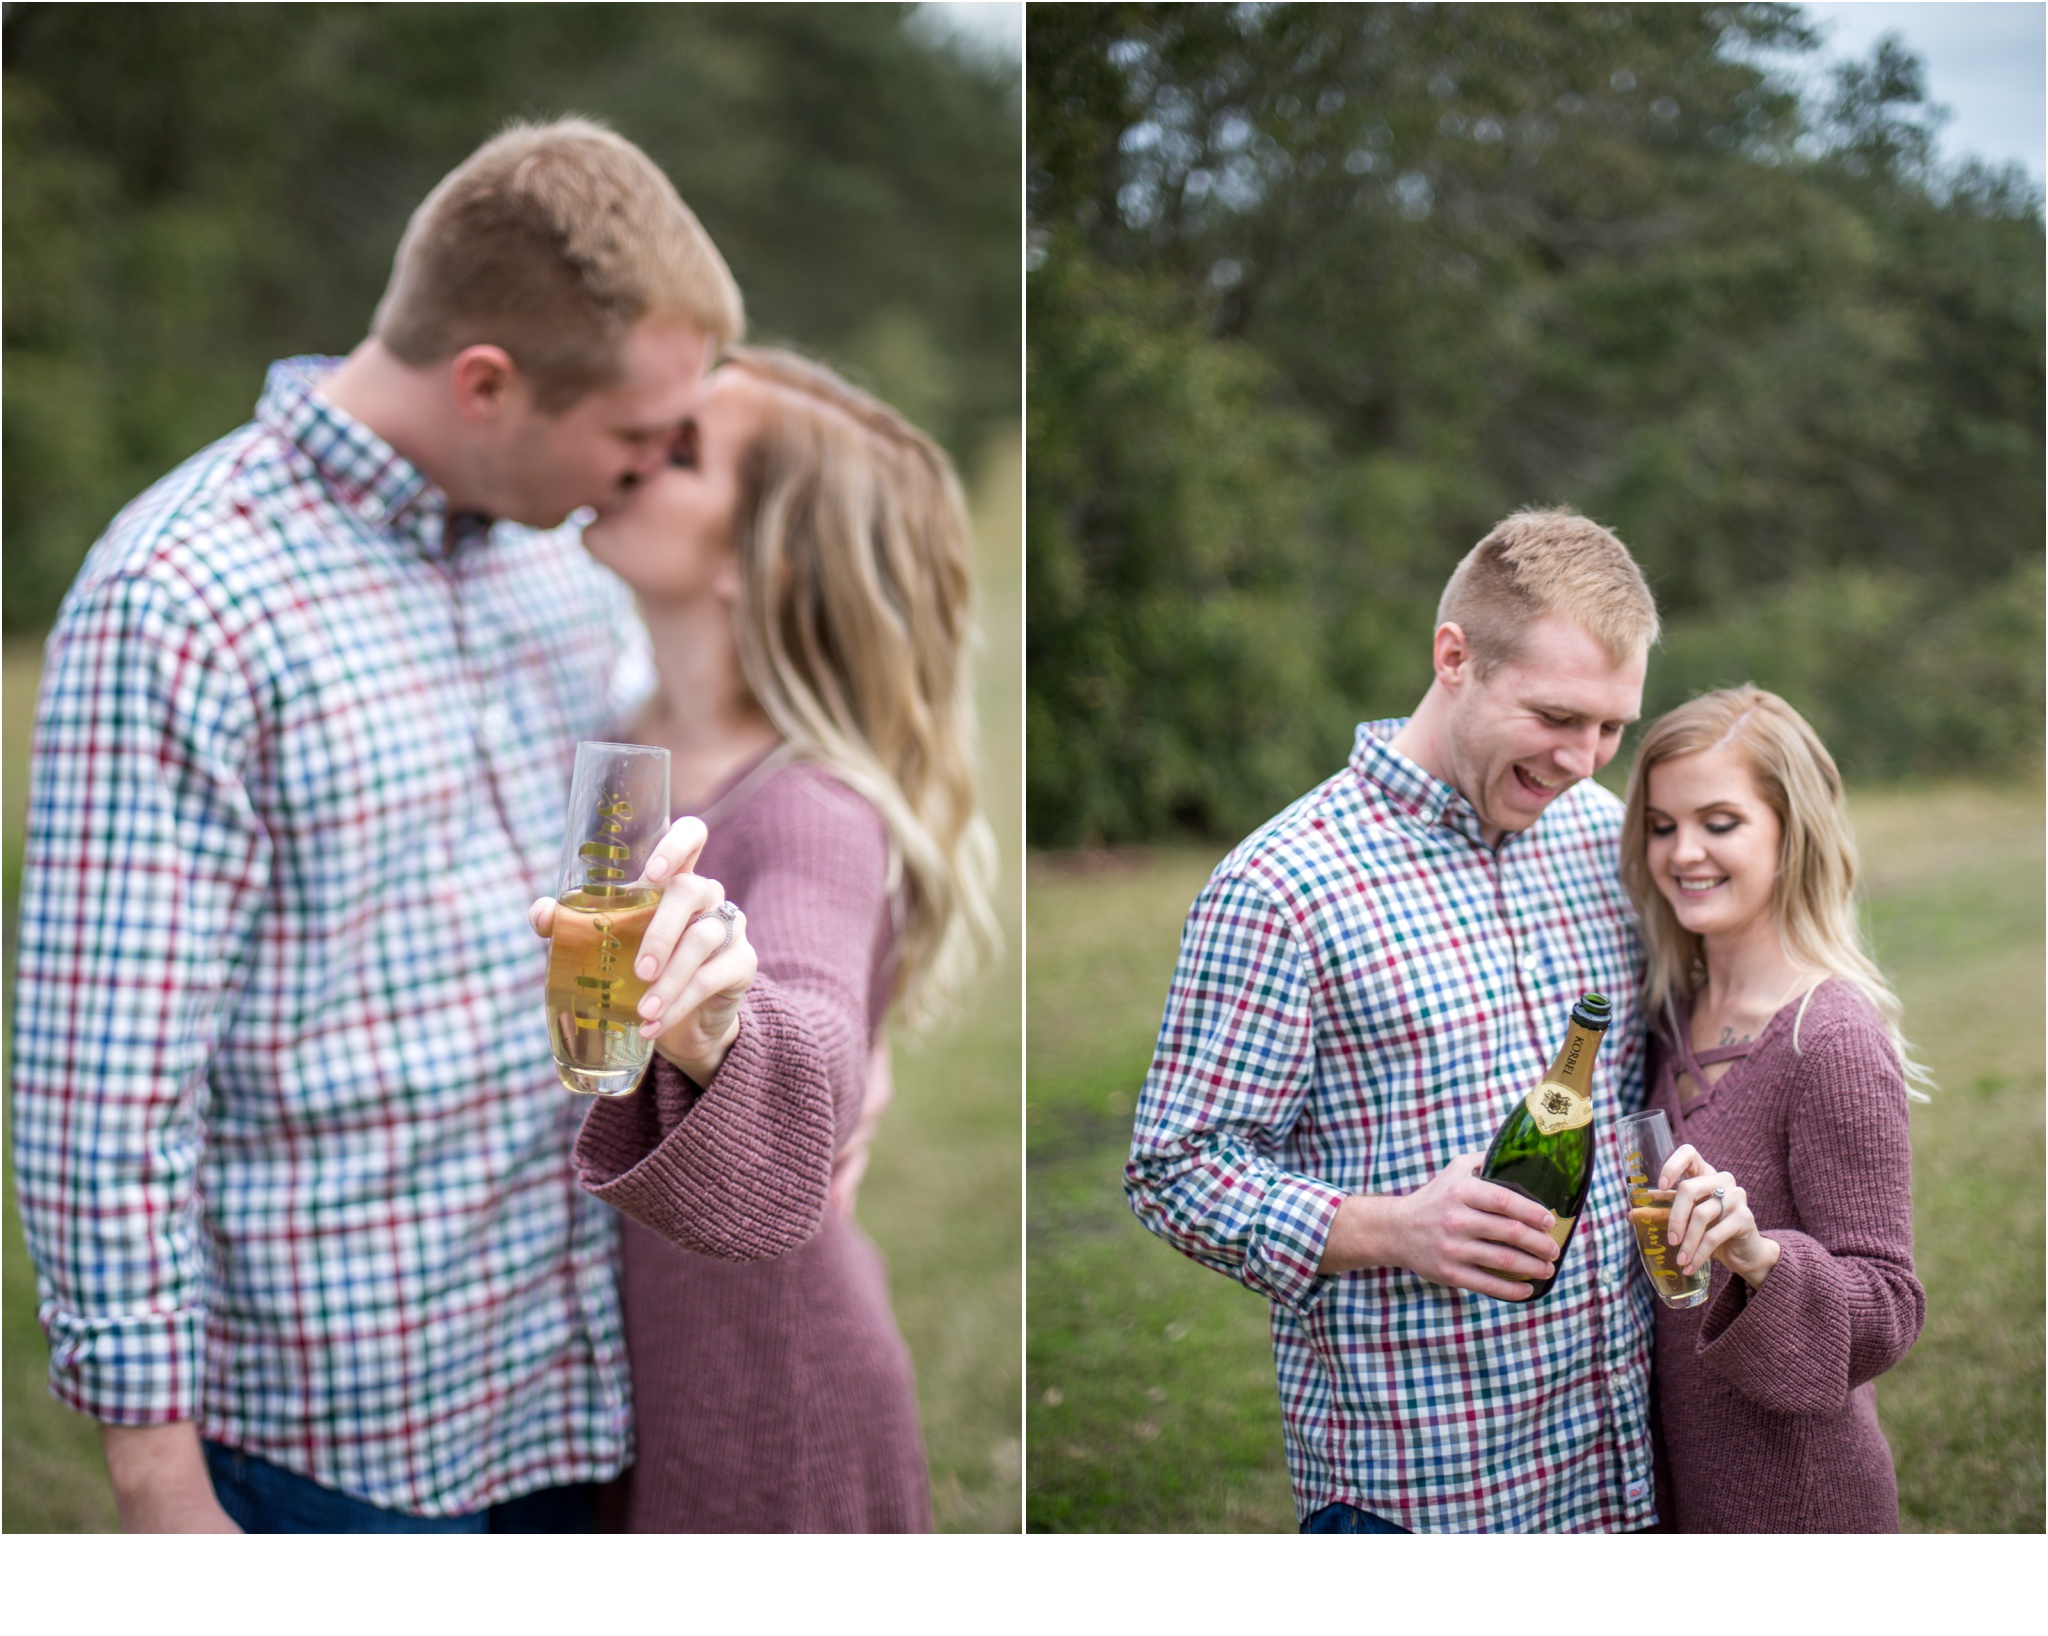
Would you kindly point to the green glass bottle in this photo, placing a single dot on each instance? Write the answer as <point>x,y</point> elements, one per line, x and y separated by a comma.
<point>1544,1149</point>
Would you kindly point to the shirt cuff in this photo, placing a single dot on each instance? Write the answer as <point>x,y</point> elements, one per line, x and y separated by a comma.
<point>1782,1345</point>
<point>1287,1243</point>
<point>139,1371</point>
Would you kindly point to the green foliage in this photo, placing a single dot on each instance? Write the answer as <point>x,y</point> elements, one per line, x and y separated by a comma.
<point>1168,574</point>
<point>195,190</point>
<point>1469,258</point>
<point>1900,674</point>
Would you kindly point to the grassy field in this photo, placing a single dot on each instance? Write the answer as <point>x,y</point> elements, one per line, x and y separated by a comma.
<point>942,1197</point>
<point>1150,1399</point>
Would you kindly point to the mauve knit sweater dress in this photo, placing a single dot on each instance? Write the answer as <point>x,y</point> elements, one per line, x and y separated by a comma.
<point>772,1392</point>
<point>1765,1408</point>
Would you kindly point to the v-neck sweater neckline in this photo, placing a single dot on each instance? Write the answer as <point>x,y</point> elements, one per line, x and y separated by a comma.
<point>1692,1062</point>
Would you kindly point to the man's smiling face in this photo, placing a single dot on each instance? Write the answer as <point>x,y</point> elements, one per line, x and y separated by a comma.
<point>1552,715</point>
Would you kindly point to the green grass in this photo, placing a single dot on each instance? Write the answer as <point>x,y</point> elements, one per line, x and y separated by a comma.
<point>944,1194</point>
<point>1150,1398</point>
<point>54,1478</point>
<point>942,1198</point>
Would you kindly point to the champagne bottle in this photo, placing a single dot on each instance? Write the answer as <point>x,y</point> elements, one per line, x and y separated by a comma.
<point>1544,1149</point>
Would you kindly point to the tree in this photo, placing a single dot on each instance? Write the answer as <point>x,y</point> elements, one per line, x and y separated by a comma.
<point>194,190</point>
<point>1503,255</point>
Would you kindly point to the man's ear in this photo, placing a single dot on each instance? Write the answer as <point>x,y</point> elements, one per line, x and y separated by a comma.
<point>1452,655</point>
<point>485,382</point>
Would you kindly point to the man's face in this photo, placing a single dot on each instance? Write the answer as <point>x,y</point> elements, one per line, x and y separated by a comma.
<point>1541,722</point>
<point>593,452</point>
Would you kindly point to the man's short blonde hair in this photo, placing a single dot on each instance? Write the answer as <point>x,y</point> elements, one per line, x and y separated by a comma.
<point>553,241</point>
<point>1548,562</point>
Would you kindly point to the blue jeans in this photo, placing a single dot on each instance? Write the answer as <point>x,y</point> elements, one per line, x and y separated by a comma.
<point>267,1499</point>
<point>1339,1518</point>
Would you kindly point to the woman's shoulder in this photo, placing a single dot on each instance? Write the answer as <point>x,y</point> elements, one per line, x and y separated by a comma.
<point>1838,1010</point>
<point>804,807</point>
<point>1839,1036</point>
<point>809,792</point>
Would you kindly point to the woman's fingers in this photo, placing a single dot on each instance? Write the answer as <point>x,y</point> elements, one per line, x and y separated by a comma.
<point>1685,1161</point>
<point>702,1018</point>
<point>541,917</point>
<point>1708,1213</point>
<point>704,964</point>
<point>676,852</point>
<point>1692,1212</point>
<point>1736,1224</point>
<point>1687,1193</point>
<point>681,903</point>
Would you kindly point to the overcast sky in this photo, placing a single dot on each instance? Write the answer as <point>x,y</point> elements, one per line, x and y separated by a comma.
<point>1984,60</point>
<point>995,27</point>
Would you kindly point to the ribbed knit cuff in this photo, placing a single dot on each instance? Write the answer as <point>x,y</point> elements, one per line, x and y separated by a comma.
<point>739,1170</point>
<point>1785,1344</point>
<point>619,1131</point>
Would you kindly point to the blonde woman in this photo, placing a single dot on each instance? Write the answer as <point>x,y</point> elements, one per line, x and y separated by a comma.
<point>1776,1053</point>
<point>802,568</point>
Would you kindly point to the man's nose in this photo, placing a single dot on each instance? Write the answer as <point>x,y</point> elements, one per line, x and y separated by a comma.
<point>646,462</point>
<point>1580,755</point>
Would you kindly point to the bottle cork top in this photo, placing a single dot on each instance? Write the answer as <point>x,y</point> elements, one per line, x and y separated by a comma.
<point>1593,1011</point>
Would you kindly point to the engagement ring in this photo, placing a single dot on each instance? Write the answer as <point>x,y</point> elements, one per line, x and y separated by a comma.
<point>729,912</point>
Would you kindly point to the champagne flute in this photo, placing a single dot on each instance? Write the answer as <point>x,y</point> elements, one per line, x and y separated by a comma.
<point>618,811</point>
<point>1645,1140</point>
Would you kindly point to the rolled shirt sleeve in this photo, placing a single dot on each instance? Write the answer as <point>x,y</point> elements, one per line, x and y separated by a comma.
<point>1230,1075</point>
<point>145,865</point>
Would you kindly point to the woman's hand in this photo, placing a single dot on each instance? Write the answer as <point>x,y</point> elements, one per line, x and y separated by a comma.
<point>697,965</point>
<point>1703,1225</point>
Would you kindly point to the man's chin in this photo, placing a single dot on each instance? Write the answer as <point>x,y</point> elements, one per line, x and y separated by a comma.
<point>1522,806</point>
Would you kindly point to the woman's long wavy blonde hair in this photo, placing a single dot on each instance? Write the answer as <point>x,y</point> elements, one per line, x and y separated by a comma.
<point>1813,897</point>
<point>855,622</point>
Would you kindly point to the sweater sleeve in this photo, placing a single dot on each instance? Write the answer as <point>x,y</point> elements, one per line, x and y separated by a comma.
<point>740,1169</point>
<point>1842,1305</point>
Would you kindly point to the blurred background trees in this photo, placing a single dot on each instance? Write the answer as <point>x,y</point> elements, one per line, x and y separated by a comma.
<point>1320,292</point>
<point>194,190</point>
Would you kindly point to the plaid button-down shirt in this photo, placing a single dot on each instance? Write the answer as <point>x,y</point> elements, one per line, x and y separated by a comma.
<point>1364,989</point>
<point>292,1158</point>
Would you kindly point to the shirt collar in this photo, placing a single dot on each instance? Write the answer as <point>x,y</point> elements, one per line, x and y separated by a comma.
<point>366,476</point>
<point>1424,797</point>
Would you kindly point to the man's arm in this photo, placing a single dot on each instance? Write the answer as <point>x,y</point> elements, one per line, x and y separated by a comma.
<point>160,1480</point>
<point>1230,1076</point>
<point>144,868</point>
<point>1456,1230</point>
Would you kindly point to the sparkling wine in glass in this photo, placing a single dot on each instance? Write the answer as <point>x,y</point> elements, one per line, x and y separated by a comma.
<point>1645,1140</point>
<point>618,810</point>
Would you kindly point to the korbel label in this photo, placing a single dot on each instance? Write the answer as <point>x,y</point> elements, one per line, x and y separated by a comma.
<point>1557,1107</point>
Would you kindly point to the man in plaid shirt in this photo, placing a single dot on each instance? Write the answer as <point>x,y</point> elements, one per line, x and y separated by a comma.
<point>293,1161</point>
<point>1366,986</point>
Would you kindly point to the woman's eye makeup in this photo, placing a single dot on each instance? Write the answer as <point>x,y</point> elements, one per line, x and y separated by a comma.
<point>1657,828</point>
<point>1721,826</point>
